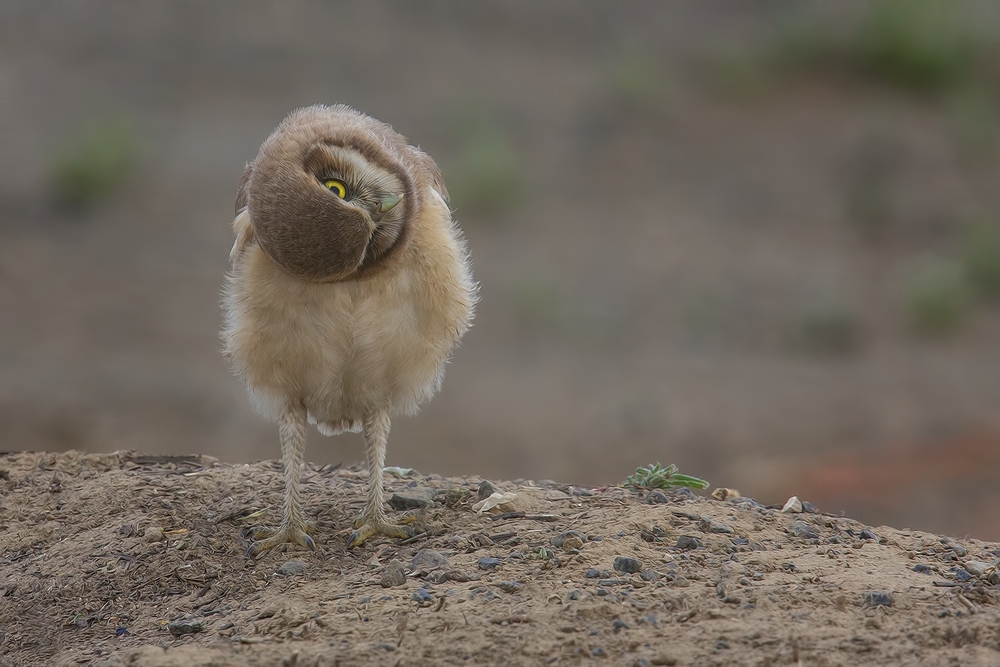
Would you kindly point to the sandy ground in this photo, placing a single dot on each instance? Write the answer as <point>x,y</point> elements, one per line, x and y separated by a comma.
<point>121,559</point>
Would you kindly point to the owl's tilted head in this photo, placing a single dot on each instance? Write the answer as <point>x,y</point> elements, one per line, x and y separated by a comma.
<point>332,193</point>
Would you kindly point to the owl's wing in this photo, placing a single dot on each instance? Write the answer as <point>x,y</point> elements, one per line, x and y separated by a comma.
<point>241,224</point>
<point>433,172</point>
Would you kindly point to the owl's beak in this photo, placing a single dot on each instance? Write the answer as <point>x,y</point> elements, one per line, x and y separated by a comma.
<point>385,204</point>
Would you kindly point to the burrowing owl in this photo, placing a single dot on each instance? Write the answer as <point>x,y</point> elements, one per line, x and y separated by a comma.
<point>350,288</point>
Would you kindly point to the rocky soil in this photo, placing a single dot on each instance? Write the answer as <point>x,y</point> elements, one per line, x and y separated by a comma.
<point>123,559</point>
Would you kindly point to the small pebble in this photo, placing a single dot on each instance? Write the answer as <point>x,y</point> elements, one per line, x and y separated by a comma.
<point>663,659</point>
<point>593,573</point>
<point>687,542</point>
<point>650,575</point>
<point>740,541</point>
<point>413,499</point>
<point>962,575</point>
<point>601,592</point>
<point>976,568</point>
<point>510,586</point>
<point>878,599</point>
<point>127,530</point>
<point>804,530</point>
<point>485,490</point>
<point>489,563</point>
<point>185,627</point>
<point>619,625</point>
<point>153,534</point>
<point>422,596</point>
<point>598,652</point>
<point>657,498</point>
<point>721,528</point>
<point>426,560</point>
<point>627,564</point>
<point>793,504</point>
<point>388,646</point>
<point>393,575</point>
<point>291,567</point>
<point>809,507</point>
<point>868,535</point>
<point>959,550</point>
<point>574,594</point>
<point>922,569</point>
<point>570,535</point>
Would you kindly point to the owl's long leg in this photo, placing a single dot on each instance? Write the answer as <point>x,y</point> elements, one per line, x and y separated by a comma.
<point>373,520</point>
<point>292,432</point>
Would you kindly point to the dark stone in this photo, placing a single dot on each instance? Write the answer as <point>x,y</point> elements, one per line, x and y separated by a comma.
<point>686,542</point>
<point>809,508</point>
<point>601,592</point>
<point>186,626</point>
<point>650,575</point>
<point>959,550</point>
<point>574,594</point>
<point>510,586</point>
<point>593,573</point>
<point>922,569</point>
<point>489,563</point>
<point>619,625</point>
<point>962,575</point>
<point>740,541</point>
<point>422,596</point>
<point>388,646</point>
<point>291,567</point>
<point>485,490</point>
<point>418,498</point>
<point>878,599</point>
<point>627,564</point>
<point>868,535</point>
<point>804,530</point>
<point>656,498</point>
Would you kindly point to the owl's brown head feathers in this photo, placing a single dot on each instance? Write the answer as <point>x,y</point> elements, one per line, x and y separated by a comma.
<point>332,192</point>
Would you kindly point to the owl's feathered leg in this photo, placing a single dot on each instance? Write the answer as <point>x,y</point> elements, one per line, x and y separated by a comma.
<point>373,520</point>
<point>292,432</point>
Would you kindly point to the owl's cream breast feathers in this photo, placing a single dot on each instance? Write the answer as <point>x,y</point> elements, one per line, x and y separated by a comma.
<point>352,346</point>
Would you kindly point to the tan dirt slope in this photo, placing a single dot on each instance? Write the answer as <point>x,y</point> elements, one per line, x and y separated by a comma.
<point>122,559</point>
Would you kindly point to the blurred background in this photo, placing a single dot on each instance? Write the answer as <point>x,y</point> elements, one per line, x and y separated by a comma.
<point>757,239</point>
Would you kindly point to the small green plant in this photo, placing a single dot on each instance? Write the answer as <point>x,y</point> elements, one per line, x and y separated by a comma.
<point>981,261</point>
<point>937,298</point>
<point>93,165</point>
<point>920,44</point>
<point>656,476</point>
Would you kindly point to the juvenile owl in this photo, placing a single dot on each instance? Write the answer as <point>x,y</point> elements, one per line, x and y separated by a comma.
<point>349,289</point>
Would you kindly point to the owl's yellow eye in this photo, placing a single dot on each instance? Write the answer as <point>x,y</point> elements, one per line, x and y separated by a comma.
<point>336,187</point>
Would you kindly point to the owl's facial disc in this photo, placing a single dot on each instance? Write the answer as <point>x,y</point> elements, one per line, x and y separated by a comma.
<point>331,212</point>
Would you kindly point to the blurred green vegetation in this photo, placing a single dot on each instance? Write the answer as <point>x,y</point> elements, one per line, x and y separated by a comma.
<point>980,261</point>
<point>973,116</point>
<point>642,85</point>
<point>937,297</point>
<point>831,327</point>
<point>93,164</point>
<point>922,44</point>
<point>485,176</point>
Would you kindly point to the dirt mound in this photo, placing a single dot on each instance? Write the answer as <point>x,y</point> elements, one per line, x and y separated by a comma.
<point>122,559</point>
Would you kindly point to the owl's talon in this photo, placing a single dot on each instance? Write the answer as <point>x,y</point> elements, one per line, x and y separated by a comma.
<point>268,538</point>
<point>368,528</point>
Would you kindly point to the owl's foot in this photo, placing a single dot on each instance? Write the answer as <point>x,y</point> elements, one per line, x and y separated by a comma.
<point>368,527</point>
<point>268,538</point>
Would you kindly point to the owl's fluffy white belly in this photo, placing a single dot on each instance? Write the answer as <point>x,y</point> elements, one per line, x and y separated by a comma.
<point>344,349</point>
